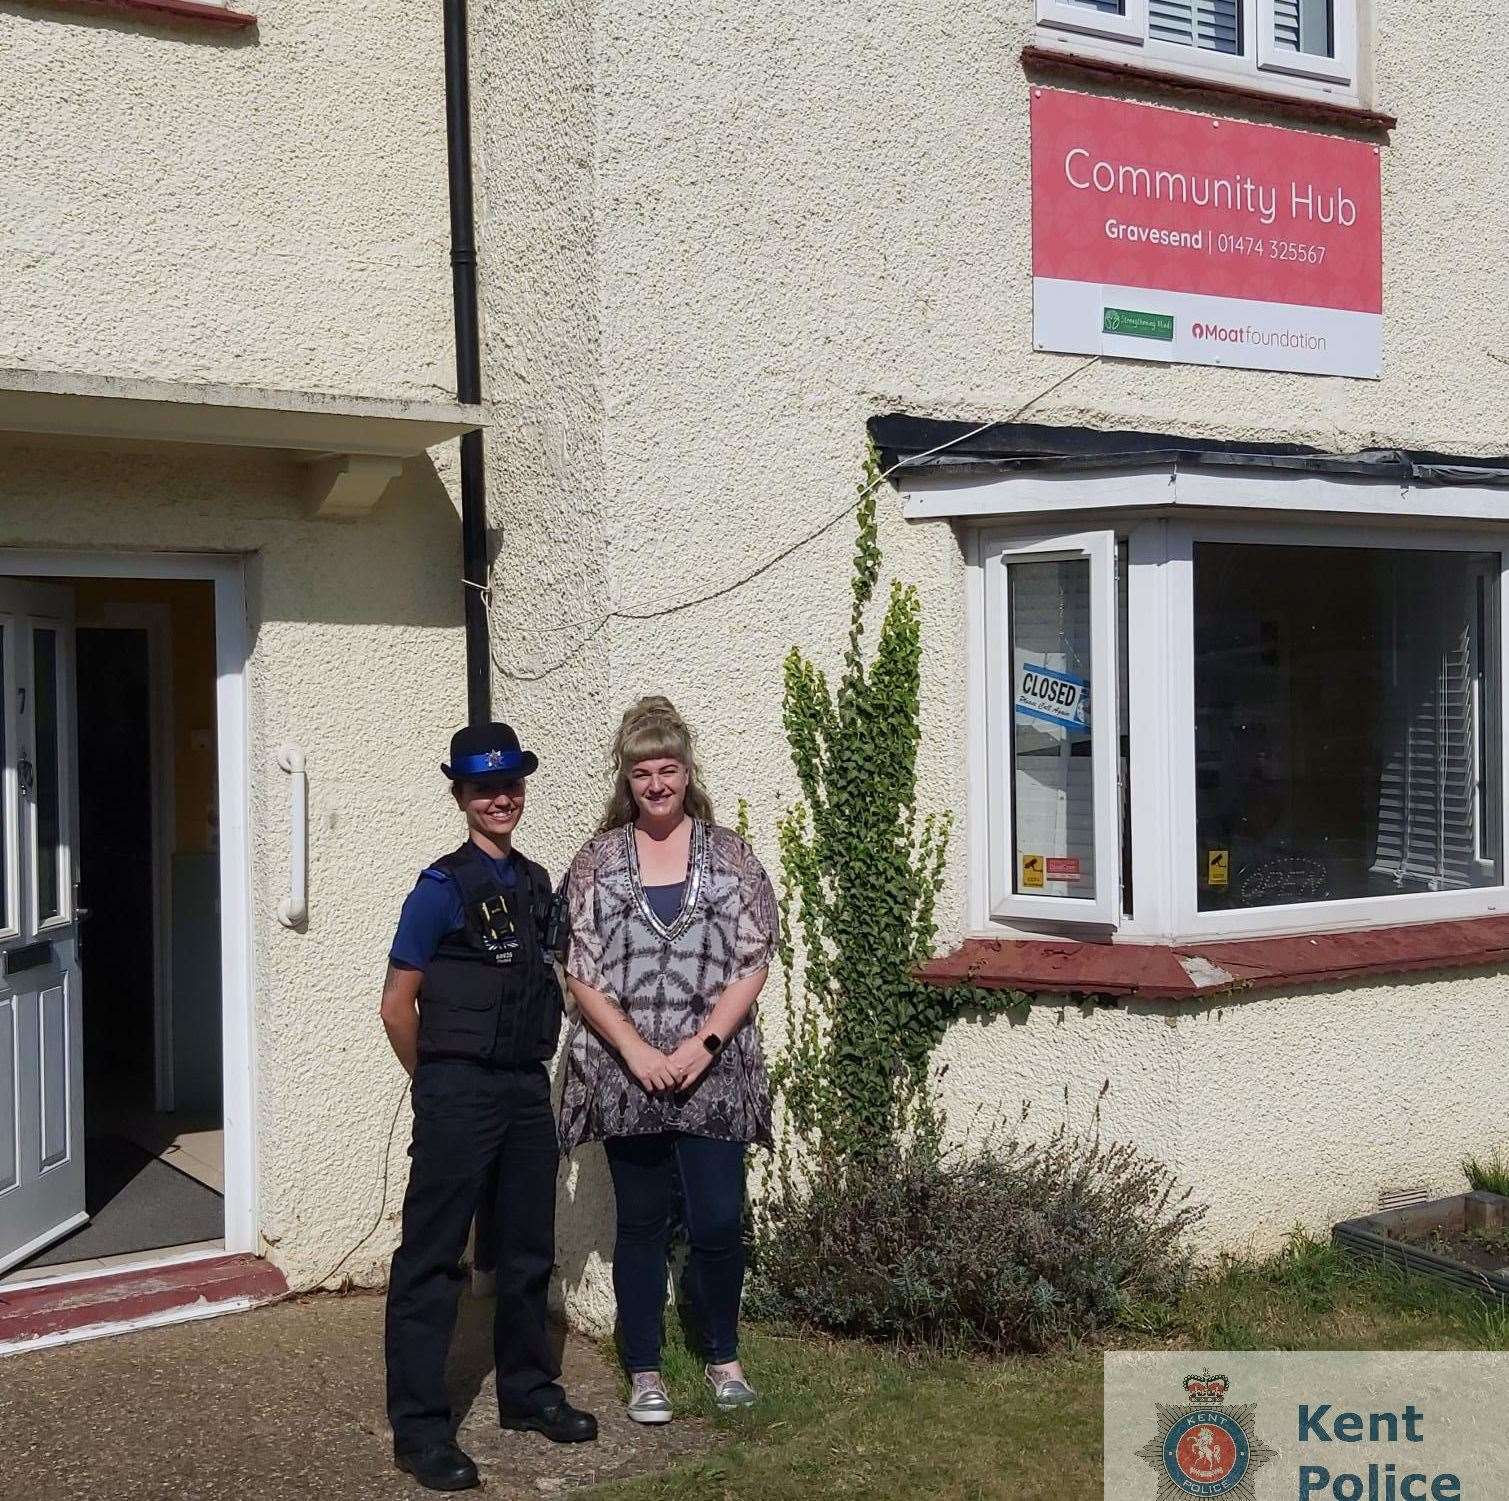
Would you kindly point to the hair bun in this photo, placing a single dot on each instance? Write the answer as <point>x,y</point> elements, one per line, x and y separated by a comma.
<point>652,706</point>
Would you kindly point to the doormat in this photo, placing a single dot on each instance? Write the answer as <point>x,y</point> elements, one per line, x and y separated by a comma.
<point>136,1202</point>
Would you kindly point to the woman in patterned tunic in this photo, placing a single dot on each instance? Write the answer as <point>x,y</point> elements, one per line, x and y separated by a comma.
<point>673,922</point>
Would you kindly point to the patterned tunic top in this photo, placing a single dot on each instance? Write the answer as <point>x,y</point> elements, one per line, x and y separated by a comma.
<point>667,977</point>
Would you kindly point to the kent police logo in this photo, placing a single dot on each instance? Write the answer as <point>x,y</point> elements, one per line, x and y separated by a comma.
<point>1205,1448</point>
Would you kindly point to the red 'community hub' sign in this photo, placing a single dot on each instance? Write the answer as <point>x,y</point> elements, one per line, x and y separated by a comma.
<point>1164,235</point>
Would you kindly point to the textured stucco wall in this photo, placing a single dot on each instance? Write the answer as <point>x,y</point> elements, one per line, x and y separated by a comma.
<point>265,208</point>
<point>355,655</point>
<point>765,226</point>
<point>1289,1109</point>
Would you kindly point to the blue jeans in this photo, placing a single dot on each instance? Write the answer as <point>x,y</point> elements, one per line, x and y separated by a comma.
<point>712,1193</point>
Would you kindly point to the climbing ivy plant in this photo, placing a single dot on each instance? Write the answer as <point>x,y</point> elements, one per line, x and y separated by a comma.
<point>861,877</point>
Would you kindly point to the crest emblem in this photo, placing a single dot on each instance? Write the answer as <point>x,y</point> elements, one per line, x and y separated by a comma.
<point>1205,1448</point>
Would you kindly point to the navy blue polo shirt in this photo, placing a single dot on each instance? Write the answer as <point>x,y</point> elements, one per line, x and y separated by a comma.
<point>433,909</point>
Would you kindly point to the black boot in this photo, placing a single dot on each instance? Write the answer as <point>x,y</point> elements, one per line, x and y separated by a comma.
<point>439,1467</point>
<point>563,1423</point>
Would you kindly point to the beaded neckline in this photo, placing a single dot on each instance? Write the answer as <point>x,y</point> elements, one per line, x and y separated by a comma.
<point>696,861</point>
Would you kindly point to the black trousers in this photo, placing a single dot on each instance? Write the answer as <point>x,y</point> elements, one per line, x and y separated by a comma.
<point>468,1122</point>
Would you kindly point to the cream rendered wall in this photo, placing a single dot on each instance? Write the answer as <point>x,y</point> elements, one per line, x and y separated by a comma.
<point>1287,1109</point>
<point>356,656</point>
<point>552,510</point>
<point>773,223</point>
<point>266,208</point>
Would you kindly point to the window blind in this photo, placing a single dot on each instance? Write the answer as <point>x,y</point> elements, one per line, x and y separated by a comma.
<point>1303,26</point>
<point>1428,791</point>
<point>1215,25</point>
<point>1105,7</point>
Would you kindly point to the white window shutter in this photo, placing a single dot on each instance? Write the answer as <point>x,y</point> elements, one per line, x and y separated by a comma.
<point>1286,25</point>
<point>1214,25</point>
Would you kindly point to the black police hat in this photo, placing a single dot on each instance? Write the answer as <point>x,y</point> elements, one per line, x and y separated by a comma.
<point>483,752</point>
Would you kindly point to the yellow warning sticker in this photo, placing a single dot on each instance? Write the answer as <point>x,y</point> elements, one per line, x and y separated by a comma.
<point>1217,867</point>
<point>1032,870</point>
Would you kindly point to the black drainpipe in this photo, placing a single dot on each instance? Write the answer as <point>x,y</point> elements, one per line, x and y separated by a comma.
<point>458,144</point>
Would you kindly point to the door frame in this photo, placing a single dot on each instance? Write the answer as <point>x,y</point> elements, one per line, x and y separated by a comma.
<point>226,572</point>
<point>155,622</point>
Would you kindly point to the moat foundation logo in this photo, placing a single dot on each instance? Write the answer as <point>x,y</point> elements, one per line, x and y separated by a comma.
<point>1319,1425</point>
<point>1203,1447</point>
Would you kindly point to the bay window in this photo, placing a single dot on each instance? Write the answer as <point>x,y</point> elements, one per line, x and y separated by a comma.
<point>1237,725</point>
<point>1285,46</point>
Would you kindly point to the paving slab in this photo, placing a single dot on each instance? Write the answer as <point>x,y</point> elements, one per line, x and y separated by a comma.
<point>286,1402</point>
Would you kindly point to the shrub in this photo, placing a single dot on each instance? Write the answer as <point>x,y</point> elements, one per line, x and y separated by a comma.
<point>1491,1176</point>
<point>995,1247</point>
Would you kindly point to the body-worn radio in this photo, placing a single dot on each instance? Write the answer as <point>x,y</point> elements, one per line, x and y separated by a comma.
<point>558,925</point>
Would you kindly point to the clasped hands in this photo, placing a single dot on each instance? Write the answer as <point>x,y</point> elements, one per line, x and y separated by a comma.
<point>667,1073</point>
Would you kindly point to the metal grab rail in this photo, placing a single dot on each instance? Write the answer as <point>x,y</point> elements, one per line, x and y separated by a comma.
<point>293,910</point>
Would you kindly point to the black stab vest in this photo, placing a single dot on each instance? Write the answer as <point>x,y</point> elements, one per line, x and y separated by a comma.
<point>484,998</point>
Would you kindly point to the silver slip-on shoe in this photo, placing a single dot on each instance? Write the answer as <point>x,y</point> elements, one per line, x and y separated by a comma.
<point>648,1402</point>
<point>730,1392</point>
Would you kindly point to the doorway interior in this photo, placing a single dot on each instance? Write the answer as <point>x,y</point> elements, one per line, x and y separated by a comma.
<point>138,840</point>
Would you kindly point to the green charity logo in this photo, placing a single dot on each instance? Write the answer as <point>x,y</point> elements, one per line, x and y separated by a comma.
<point>1130,324</point>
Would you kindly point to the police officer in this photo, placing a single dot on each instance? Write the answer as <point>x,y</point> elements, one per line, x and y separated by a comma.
<point>472,1008</point>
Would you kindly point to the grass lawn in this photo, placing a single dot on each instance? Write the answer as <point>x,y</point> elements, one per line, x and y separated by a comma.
<point>845,1420</point>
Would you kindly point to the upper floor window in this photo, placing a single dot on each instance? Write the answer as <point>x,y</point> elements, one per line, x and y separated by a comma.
<point>1306,47</point>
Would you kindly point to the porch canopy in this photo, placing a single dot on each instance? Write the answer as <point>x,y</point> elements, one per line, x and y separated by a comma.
<point>350,446</point>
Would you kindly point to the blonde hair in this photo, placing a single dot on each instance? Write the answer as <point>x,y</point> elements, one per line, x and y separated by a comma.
<point>651,730</point>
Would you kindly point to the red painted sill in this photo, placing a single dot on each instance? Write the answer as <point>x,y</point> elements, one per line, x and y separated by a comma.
<point>175,10</point>
<point>1193,971</point>
<point>69,1306</point>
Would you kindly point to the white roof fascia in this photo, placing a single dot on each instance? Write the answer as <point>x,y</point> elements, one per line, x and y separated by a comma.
<point>931,494</point>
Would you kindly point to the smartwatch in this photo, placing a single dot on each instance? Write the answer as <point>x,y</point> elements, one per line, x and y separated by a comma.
<point>712,1042</point>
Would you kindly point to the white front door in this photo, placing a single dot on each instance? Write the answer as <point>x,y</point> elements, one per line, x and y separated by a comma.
<point>41,1016</point>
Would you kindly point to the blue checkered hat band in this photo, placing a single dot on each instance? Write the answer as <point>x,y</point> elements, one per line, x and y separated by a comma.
<point>492,762</point>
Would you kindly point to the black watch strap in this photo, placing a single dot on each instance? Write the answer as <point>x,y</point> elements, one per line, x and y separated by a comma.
<point>712,1042</point>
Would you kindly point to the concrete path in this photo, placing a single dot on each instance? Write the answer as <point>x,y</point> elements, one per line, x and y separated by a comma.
<point>285,1402</point>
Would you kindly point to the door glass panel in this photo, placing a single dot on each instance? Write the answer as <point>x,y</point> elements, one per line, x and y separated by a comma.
<point>1052,769</point>
<point>6,834</point>
<point>1347,723</point>
<point>48,792</point>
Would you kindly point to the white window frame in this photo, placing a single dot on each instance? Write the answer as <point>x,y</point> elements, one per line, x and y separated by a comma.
<point>999,552</point>
<point>1079,29</point>
<point>1161,708</point>
<point>1339,69</point>
<point>1130,26</point>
